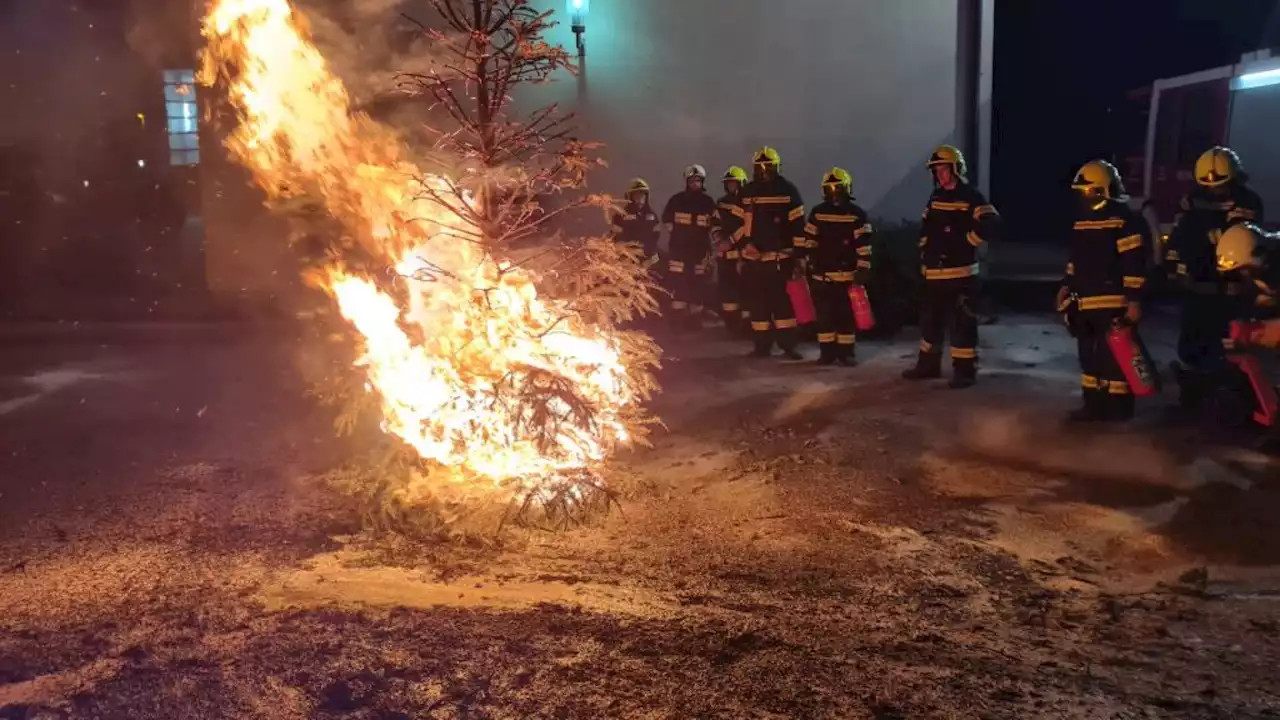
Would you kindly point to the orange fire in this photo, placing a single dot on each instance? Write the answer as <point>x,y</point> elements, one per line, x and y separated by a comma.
<point>475,323</point>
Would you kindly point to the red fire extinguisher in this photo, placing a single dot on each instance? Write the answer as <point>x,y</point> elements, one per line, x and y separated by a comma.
<point>1134,361</point>
<point>863,317</point>
<point>801,301</point>
<point>1268,404</point>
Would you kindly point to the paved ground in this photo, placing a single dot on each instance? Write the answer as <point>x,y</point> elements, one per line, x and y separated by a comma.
<point>802,543</point>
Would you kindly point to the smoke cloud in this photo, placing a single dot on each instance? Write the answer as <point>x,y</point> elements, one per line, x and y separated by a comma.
<point>368,44</point>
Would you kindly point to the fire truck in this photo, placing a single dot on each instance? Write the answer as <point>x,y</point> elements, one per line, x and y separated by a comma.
<point>1178,118</point>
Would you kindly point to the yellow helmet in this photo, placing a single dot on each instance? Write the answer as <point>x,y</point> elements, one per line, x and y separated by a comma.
<point>767,156</point>
<point>636,185</point>
<point>949,155</point>
<point>1238,247</point>
<point>1099,177</point>
<point>1217,166</point>
<point>838,178</point>
<point>735,173</point>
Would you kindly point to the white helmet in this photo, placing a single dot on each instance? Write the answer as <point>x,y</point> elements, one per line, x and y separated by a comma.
<point>1239,247</point>
<point>695,171</point>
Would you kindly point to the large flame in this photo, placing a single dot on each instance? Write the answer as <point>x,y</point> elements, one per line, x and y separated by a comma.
<point>475,324</point>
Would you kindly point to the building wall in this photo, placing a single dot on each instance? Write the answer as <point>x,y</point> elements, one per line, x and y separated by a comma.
<point>868,85</point>
<point>98,229</point>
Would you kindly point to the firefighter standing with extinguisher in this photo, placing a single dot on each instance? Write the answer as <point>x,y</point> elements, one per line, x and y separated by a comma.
<point>838,254</point>
<point>1219,201</point>
<point>637,224</point>
<point>727,232</point>
<point>687,217</point>
<point>1102,287</point>
<point>774,229</point>
<point>957,221</point>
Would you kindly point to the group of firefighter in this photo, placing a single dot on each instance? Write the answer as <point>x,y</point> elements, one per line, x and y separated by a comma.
<point>757,241</point>
<point>1217,260</point>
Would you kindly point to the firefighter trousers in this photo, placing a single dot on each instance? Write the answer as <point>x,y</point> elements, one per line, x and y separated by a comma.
<point>1204,322</point>
<point>834,319</point>
<point>729,290</point>
<point>684,278</point>
<point>764,290</point>
<point>1105,392</point>
<point>946,306</point>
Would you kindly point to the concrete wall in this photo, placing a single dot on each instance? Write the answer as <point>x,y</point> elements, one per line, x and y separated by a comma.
<point>870,85</point>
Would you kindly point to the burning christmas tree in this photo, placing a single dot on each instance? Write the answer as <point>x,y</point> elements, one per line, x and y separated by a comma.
<point>489,340</point>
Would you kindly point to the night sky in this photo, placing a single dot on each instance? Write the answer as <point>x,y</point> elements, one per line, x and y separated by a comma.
<point>1061,73</point>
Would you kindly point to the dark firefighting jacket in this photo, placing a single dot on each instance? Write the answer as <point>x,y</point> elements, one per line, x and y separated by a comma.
<point>837,243</point>
<point>729,223</point>
<point>954,225</point>
<point>638,225</point>
<point>1108,258</point>
<point>688,216</point>
<point>1202,218</point>
<point>774,219</point>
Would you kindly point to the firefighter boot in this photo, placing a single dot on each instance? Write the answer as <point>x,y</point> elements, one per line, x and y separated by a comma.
<point>762,345</point>
<point>1093,410</point>
<point>928,366</point>
<point>844,356</point>
<point>676,321</point>
<point>1193,387</point>
<point>827,354</point>
<point>693,322</point>
<point>963,375</point>
<point>1119,408</point>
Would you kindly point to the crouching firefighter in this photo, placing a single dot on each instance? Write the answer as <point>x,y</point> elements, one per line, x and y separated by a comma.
<point>727,232</point>
<point>688,218</point>
<point>637,224</point>
<point>1248,261</point>
<point>774,226</point>
<point>1102,287</point>
<point>1246,258</point>
<point>838,255</point>
<point>957,221</point>
<point>1219,201</point>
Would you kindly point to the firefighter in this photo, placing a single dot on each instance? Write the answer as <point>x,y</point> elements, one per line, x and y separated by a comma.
<point>727,232</point>
<point>687,217</point>
<point>637,224</point>
<point>774,226</point>
<point>1104,279</point>
<point>837,255</point>
<point>1246,262</point>
<point>956,223</point>
<point>1220,200</point>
